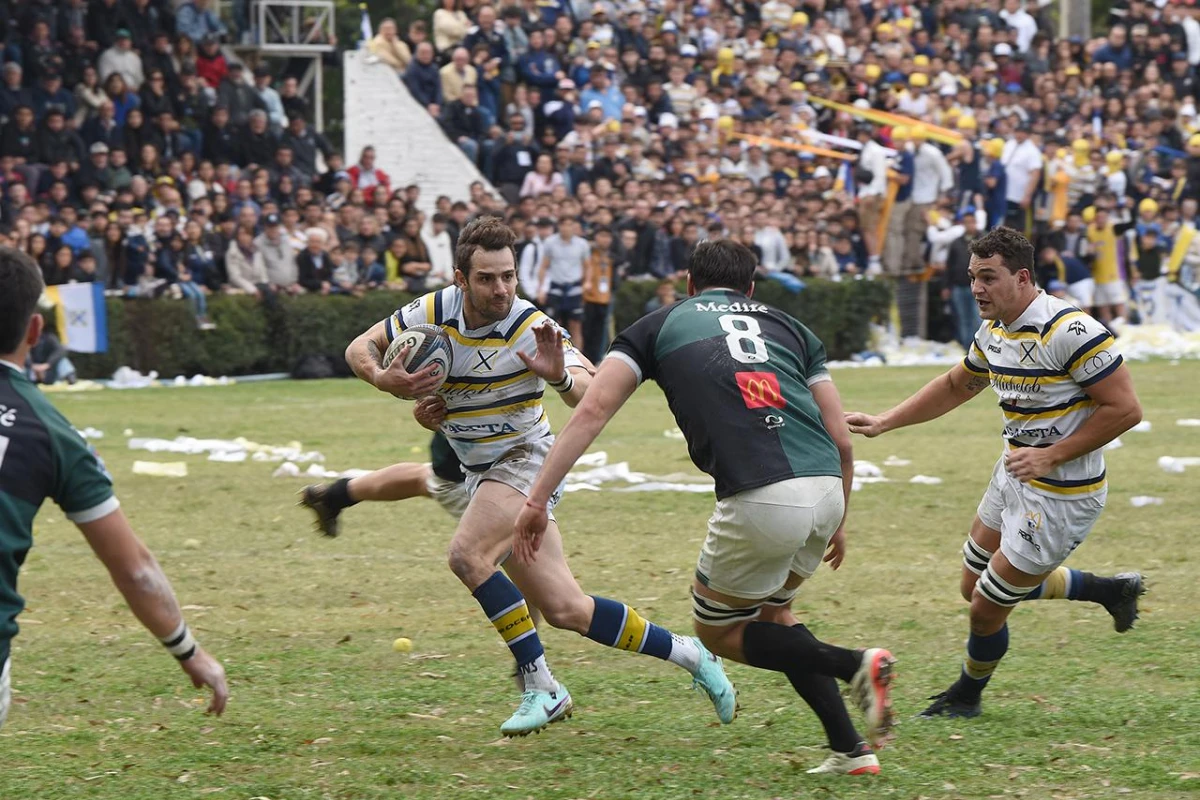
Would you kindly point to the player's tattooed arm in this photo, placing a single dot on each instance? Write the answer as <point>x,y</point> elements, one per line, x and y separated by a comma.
<point>976,384</point>
<point>365,354</point>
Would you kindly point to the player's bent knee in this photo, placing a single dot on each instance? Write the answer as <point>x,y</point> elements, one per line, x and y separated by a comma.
<point>567,616</point>
<point>467,565</point>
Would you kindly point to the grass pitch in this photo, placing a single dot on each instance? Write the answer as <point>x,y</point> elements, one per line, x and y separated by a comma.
<point>323,708</point>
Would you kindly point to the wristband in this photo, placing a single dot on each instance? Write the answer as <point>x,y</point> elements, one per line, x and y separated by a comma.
<point>181,643</point>
<point>565,385</point>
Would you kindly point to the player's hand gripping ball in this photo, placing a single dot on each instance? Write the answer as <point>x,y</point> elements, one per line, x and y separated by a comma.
<point>427,345</point>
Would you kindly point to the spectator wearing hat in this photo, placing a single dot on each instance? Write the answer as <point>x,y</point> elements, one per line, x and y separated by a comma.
<point>271,102</point>
<point>51,94</point>
<point>559,112</point>
<point>239,97</point>
<point>601,89</point>
<point>389,48</point>
<point>219,137</point>
<point>278,256</point>
<point>1023,164</point>
<point>121,59</point>
<point>901,255</point>
<point>211,66</point>
<point>423,79</point>
<point>96,169</point>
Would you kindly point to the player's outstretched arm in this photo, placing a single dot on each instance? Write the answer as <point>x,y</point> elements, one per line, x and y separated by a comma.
<point>140,579</point>
<point>613,384</point>
<point>941,395</point>
<point>830,404</point>
<point>1117,410</point>
<point>365,358</point>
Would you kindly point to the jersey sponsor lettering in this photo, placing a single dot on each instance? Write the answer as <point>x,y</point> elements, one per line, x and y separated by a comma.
<point>760,389</point>
<point>734,308</point>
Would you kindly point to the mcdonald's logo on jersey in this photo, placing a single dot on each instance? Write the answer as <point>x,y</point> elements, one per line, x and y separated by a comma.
<point>760,389</point>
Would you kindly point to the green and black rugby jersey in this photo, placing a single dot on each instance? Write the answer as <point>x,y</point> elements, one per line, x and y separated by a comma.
<point>736,374</point>
<point>41,455</point>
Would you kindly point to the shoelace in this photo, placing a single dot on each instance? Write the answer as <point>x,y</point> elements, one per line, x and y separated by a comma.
<point>529,702</point>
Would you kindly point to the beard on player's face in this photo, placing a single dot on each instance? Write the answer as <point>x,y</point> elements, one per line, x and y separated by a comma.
<point>490,289</point>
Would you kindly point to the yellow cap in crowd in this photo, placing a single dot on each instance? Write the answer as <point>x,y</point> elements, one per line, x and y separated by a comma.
<point>906,23</point>
<point>1148,206</point>
<point>873,71</point>
<point>918,80</point>
<point>1114,157</point>
<point>1089,214</point>
<point>992,148</point>
<point>920,61</point>
<point>901,133</point>
<point>799,18</point>
<point>1194,140</point>
<point>1081,145</point>
<point>883,27</point>
<point>967,123</point>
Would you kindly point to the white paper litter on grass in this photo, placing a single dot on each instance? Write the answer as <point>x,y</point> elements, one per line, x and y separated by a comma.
<point>1188,423</point>
<point>659,486</point>
<point>1142,427</point>
<point>895,461</point>
<point>865,469</point>
<point>1115,444</point>
<point>187,445</point>
<point>1142,500</point>
<point>597,459</point>
<point>228,456</point>
<point>927,480</point>
<point>673,433</point>
<point>579,487</point>
<point>91,433</point>
<point>161,469</point>
<point>1177,464</point>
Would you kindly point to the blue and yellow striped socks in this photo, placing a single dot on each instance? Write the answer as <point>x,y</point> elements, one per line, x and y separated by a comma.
<point>617,625</point>
<point>1063,584</point>
<point>509,614</point>
<point>983,656</point>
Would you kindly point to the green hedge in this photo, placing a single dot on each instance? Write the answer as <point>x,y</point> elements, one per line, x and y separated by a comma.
<point>161,335</point>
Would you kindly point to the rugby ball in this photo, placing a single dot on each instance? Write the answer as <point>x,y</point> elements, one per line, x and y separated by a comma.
<point>428,344</point>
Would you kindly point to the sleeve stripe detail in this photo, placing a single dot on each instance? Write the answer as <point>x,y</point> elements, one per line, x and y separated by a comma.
<point>1087,351</point>
<point>437,308</point>
<point>628,361</point>
<point>429,298</point>
<point>95,512</point>
<point>1109,370</point>
<point>1058,319</point>
<point>530,317</point>
<point>820,377</point>
<point>973,369</point>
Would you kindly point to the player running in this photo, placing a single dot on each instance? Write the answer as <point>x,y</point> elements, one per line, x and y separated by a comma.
<point>749,389</point>
<point>1065,393</point>
<point>505,353</point>
<point>43,456</point>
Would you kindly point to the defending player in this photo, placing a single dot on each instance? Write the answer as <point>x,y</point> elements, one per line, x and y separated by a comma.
<point>441,480</point>
<point>1064,393</point>
<point>749,389</point>
<point>42,456</point>
<point>505,353</point>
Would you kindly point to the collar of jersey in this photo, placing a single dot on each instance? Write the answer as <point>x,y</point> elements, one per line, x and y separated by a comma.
<point>1038,299</point>
<point>725,289</point>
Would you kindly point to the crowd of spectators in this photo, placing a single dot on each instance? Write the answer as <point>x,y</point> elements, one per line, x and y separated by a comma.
<point>618,135</point>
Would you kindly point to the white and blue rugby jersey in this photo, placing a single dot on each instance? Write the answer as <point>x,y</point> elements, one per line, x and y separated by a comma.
<point>1040,366</point>
<point>493,401</point>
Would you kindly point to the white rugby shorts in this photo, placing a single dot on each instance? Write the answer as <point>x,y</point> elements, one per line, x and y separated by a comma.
<point>1037,532</point>
<point>759,536</point>
<point>517,468</point>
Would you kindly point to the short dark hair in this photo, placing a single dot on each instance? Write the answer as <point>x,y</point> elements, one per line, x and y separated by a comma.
<point>20,288</point>
<point>1015,251</point>
<point>486,233</point>
<point>722,263</point>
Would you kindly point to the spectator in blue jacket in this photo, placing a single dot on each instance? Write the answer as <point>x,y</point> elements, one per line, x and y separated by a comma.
<point>539,67</point>
<point>422,78</point>
<point>1116,50</point>
<point>196,19</point>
